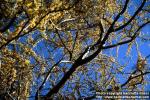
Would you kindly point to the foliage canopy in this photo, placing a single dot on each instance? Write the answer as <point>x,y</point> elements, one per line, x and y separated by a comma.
<point>71,48</point>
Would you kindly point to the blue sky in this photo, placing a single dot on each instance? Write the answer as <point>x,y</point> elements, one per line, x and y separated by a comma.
<point>144,48</point>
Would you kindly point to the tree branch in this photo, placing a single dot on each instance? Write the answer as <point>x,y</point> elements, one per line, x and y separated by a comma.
<point>21,35</point>
<point>111,28</point>
<point>8,25</point>
<point>130,20</point>
<point>127,41</point>
<point>130,78</point>
<point>67,75</point>
<point>70,53</point>
<point>81,61</point>
<point>16,37</point>
<point>46,78</point>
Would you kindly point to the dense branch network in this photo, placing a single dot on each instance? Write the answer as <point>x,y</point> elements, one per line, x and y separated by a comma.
<point>38,32</point>
<point>100,44</point>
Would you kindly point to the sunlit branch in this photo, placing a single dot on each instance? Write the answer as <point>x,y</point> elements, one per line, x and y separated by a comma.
<point>67,20</point>
<point>66,61</point>
<point>74,44</point>
<point>101,26</point>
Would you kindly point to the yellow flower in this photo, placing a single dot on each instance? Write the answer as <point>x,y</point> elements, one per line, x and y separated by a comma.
<point>27,62</point>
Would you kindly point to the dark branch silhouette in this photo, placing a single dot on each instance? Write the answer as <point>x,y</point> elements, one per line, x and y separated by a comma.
<point>45,79</point>
<point>30,30</point>
<point>100,43</point>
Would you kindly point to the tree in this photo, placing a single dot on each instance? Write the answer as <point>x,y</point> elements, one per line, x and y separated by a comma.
<point>70,48</point>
